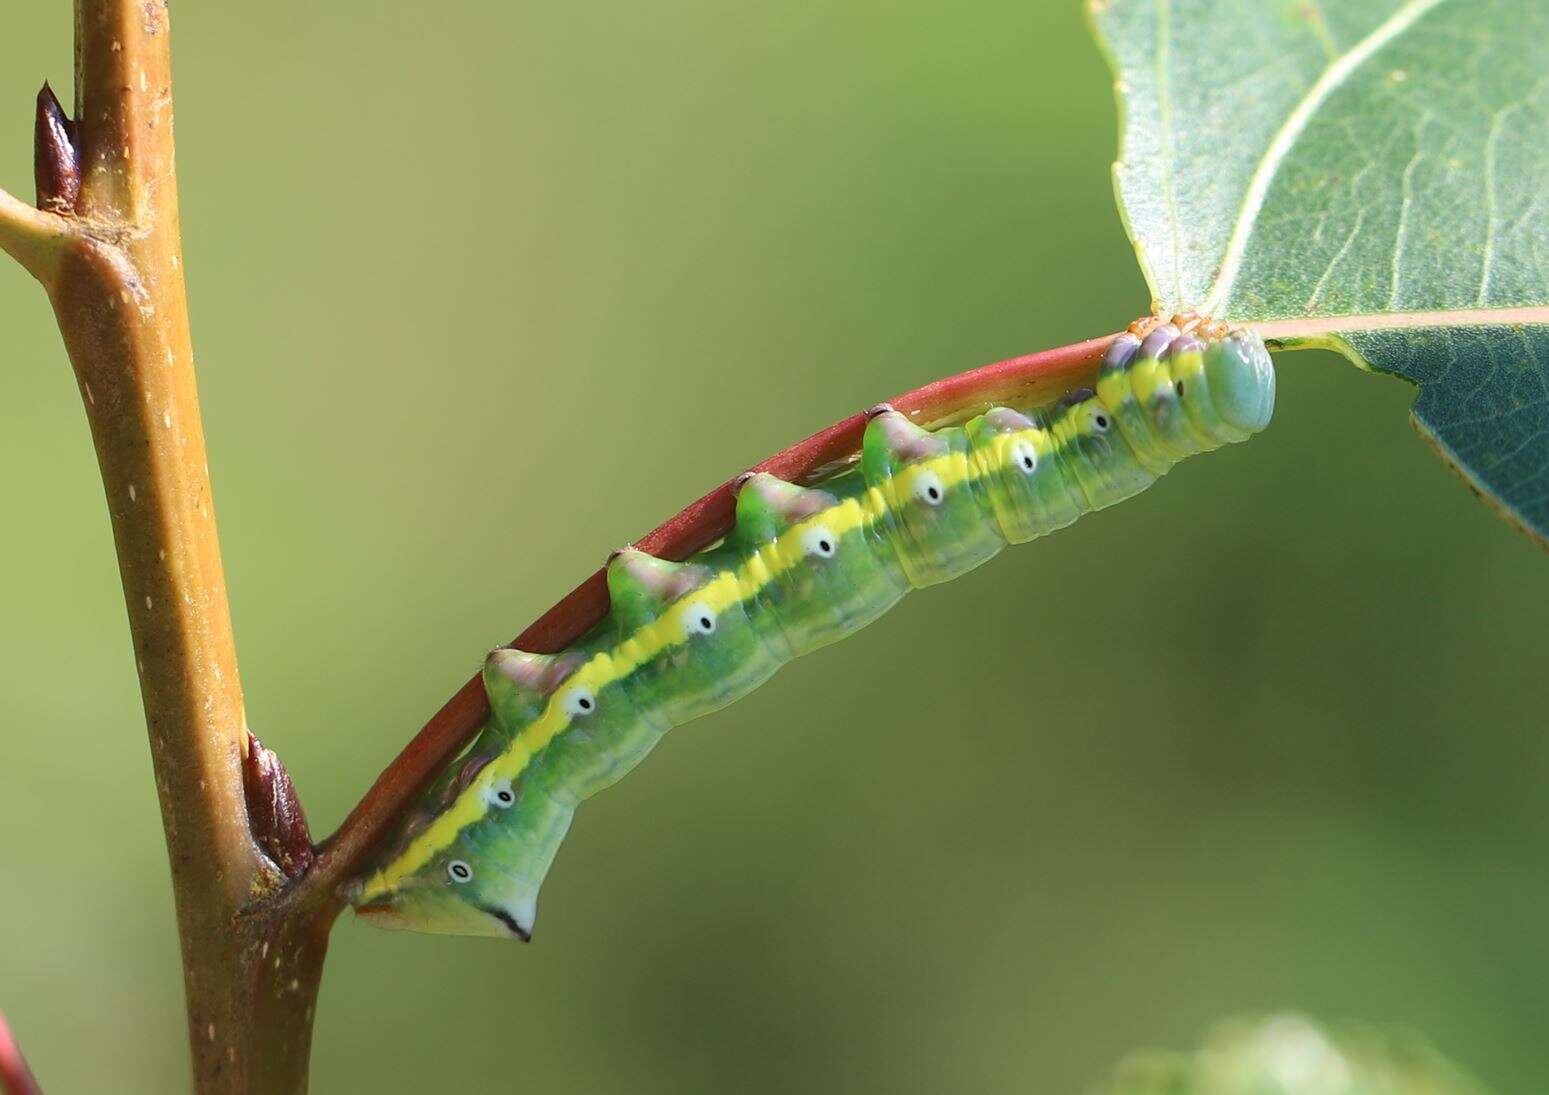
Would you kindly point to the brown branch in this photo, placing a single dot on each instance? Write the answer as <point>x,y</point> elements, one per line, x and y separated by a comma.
<point>120,303</point>
<point>108,252</point>
<point>15,1077</point>
<point>1024,380</point>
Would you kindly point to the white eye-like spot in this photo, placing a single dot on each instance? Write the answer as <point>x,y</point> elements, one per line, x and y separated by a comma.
<point>820,542</point>
<point>459,872</point>
<point>698,619</point>
<point>1101,421</point>
<point>501,796</point>
<point>579,701</point>
<point>1025,457</point>
<point>928,488</point>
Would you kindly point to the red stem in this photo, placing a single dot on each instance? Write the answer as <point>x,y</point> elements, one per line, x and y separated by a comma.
<point>1023,380</point>
<point>15,1077</point>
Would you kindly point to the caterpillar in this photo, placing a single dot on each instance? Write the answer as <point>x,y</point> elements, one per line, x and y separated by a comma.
<point>803,566</point>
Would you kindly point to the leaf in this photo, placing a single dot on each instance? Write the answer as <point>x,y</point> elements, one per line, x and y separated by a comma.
<point>1365,175</point>
<point>1289,1055</point>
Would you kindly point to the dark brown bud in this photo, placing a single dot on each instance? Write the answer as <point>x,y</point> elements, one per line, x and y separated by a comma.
<point>274,812</point>
<point>56,162</point>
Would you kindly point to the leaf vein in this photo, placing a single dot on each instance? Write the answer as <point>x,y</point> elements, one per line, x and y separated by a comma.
<point>1406,202</point>
<point>1344,249</point>
<point>1296,122</point>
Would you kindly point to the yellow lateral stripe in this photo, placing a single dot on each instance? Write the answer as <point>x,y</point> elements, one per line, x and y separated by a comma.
<point>726,589</point>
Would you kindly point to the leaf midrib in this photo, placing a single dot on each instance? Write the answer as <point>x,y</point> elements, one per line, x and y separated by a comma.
<point>1315,328</point>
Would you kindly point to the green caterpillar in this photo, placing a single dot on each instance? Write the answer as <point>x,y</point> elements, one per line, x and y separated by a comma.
<point>802,568</point>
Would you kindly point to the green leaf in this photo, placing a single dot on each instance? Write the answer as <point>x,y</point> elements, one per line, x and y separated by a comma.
<point>1289,1055</point>
<point>1366,175</point>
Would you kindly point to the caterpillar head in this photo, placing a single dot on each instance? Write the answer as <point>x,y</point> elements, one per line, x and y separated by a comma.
<point>1241,379</point>
<point>1181,392</point>
<point>1225,386</point>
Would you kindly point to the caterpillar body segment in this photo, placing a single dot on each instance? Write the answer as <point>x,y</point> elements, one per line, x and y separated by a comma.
<point>783,532</point>
<point>930,506</point>
<point>802,567</point>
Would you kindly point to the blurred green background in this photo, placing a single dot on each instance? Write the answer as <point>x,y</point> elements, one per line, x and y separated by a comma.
<point>482,290</point>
